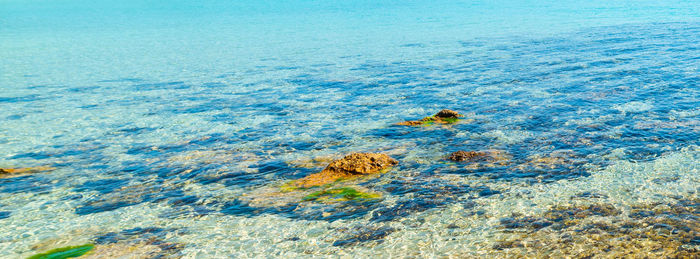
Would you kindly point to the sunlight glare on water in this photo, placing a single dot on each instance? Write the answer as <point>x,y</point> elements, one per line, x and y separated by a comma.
<point>172,127</point>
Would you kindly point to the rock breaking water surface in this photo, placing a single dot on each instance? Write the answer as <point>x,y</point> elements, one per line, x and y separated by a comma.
<point>593,133</point>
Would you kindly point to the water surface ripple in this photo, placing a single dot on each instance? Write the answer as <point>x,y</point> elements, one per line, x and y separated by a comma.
<point>598,129</point>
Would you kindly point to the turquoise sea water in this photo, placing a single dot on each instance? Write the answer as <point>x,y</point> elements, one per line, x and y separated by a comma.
<point>171,126</point>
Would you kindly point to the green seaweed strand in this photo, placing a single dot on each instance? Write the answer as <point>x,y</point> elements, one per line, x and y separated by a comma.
<point>340,193</point>
<point>450,120</point>
<point>65,252</point>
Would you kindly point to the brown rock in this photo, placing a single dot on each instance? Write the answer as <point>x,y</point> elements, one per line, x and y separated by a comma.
<point>466,155</point>
<point>352,165</point>
<point>447,114</point>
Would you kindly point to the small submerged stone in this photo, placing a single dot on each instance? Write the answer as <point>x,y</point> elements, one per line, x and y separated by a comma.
<point>482,159</point>
<point>65,252</point>
<point>350,166</point>
<point>364,235</point>
<point>466,156</point>
<point>442,117</point>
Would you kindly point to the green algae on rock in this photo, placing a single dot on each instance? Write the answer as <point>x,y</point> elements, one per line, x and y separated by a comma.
<point>65,252</point>
<point>350,166</point>
<point>442,117</point>
<point>340,194</point>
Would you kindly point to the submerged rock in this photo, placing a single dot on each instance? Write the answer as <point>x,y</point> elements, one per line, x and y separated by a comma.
<point>466,155</point>
<point>353,165</point>
<point>482,159</point>
<point>656,230</point>
<point>442,117</point>
<point>9,172</point>
<point>316,196</point>
<point>364,235</point>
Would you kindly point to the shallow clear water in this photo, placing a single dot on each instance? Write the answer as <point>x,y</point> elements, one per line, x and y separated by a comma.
<point>171,127</point>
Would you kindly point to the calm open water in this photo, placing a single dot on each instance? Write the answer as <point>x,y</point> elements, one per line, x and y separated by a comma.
<point>173,124</point>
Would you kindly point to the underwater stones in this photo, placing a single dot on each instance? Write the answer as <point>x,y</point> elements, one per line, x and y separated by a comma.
<point>466,155</point>
<point>563,212</point>
<point>364,235</point>
<point>677,222</point>
<point>64,252</point>
<point>353,165</point>
<point>442,117</point>
<point>560,217</point>
<point>532,223</point>
<point>656,230</point>
<point>11,172</point>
